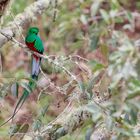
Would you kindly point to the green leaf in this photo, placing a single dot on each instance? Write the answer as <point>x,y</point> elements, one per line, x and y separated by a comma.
<point>81,86</point>
<point>134,85</point>
<point>115,4</point>
<point>13,129</point>
<point>129,16</point>
<point>94,42</point>
<point>133,95</point>
<point>95,7</point>
<point>23,130</point>
<point>104,50</point>
<point>133,114</point>
<point>14,89</point>
<point>105,15</point>
<point>37,124</point>
<point>96,65</point>
<point>90,85</point>
<point>44,110</point>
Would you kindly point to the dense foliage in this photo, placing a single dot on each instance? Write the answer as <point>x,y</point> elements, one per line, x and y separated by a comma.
<point>89,83</point>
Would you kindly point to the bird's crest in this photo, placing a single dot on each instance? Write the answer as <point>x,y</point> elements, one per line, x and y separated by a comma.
<point>33,30</point>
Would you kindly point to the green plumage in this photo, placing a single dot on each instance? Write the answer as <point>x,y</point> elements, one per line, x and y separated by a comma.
<point>34,43</point>
<point>26,92</point>
<point>32,37</point>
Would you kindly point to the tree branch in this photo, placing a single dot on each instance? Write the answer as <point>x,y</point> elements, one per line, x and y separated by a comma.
<point>3,5</point>
<point>21,20</point>
<point>72,121</point>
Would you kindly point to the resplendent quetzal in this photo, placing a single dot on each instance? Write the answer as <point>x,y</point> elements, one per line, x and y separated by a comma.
<point>35,44</point>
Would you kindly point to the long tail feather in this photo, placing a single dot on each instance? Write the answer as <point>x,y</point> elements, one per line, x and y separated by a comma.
<point>17,107</point>
<point>32,85</point>
<point>35,67</point>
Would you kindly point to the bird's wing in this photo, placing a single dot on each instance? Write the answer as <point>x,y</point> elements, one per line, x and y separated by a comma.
<point>39,45</point>
<point>30,38</point>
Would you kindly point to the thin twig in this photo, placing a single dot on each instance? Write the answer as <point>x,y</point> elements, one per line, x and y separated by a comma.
<point>59,89</point>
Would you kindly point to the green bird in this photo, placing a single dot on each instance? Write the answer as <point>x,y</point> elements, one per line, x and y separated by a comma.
<point>34,43</point>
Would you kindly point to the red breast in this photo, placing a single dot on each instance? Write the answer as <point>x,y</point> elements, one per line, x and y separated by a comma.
<point>31,47</point>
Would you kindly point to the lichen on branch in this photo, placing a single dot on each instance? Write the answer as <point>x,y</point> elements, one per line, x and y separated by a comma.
<point>72,121</point>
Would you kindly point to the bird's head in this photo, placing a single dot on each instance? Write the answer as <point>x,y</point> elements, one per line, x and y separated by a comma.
<point>33,30</point>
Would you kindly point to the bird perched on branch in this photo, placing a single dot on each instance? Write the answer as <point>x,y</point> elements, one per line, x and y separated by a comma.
<point>34,43</point>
